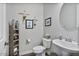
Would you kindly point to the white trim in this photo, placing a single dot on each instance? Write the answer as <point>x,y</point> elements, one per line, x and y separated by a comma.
<point>25,52</point>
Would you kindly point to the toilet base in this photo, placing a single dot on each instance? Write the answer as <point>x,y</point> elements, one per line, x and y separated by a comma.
<point>65,53</point>
<point>40,54</point>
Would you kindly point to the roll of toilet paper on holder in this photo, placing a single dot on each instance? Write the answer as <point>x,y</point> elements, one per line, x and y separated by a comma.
<point>28,40</point>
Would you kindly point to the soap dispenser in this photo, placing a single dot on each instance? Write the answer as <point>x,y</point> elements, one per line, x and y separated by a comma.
<point>60,36</point>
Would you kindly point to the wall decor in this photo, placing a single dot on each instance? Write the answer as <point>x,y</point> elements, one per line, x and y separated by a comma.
<point>28,24</point>
<point>48,21</point>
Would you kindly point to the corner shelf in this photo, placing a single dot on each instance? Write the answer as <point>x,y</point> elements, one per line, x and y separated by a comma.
<point>15,46</point>
<point>15,34</point>
<point>16,40</point>
<point>13,41</point>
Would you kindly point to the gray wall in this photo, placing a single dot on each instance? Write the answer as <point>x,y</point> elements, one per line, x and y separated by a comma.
<point>3,30</point>
<point>53,10</point>
<point>35,34</point>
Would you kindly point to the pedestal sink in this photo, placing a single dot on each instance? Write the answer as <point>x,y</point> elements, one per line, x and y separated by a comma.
<point>66,47</point>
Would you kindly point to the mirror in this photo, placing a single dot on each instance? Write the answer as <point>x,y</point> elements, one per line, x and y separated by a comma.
<point>68,16</point>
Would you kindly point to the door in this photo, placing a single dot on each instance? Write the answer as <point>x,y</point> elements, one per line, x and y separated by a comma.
<point>4,46</point>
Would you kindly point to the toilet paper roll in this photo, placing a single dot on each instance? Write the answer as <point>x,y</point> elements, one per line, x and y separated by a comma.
<point>29,40</point>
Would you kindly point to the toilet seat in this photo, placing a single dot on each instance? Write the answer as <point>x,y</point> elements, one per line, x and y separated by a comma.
<point>38,49</point>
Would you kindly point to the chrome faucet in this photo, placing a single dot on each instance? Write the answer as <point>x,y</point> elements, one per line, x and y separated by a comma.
<point>69,40</point>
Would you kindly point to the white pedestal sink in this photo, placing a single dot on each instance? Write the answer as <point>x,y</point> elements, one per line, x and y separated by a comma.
<point>65,47</point>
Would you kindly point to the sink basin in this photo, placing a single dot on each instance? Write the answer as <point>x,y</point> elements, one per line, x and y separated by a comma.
<point>69,47</point>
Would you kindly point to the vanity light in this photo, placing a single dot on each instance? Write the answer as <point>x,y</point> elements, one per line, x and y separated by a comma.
<point>24,15</point>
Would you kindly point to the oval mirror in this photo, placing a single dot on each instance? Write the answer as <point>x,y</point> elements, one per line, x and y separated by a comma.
<point>68,16</point>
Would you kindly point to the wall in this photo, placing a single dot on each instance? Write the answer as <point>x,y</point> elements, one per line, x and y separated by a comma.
<point>35,34</point>
<point>78,20</point>
<point>3,30</point>
<point>1,21</point>
<point>52,10</point>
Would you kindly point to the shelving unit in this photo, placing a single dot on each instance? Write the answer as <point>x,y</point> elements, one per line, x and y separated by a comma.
<point>13,41</point>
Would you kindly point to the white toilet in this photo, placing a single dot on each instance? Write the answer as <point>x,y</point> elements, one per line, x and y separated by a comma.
<point>40,50</point>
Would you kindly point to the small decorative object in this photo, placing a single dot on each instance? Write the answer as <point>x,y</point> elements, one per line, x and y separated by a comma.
<point>47,36</point>
<point>34,24</point>
<point>17,25</point>
<point>48,21</point>
<point>28,24</point>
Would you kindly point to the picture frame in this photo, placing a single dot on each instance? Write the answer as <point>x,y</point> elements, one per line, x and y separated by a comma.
<point>48,21</point>
<point>28,24</point>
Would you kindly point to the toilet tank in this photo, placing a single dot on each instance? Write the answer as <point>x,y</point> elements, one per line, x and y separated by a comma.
<point>46,43</point>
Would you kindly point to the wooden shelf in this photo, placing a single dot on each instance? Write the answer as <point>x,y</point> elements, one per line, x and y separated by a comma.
<point>15,54</point>
<point>15,46</point>
<point>16,51</point>
<point>15,29</point>
<point>13,41</point>
<point>15,34</point>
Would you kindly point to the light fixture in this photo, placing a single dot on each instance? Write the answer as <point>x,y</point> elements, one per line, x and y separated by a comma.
<point>24,15</point>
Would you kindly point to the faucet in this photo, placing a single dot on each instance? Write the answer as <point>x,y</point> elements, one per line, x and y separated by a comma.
<point>69,40</point>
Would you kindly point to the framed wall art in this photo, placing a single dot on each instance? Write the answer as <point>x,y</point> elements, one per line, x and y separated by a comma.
<point>48,21</point>
<point>28,24</point>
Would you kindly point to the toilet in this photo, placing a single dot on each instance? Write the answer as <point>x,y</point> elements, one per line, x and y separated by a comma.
<point>40,50</point>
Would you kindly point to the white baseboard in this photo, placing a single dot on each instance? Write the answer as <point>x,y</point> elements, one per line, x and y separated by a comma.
<point>25,52</point>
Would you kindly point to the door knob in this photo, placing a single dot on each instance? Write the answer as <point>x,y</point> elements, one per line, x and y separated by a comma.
<point>6,43</point>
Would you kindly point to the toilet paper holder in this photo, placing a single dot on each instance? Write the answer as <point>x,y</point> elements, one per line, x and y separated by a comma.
<point>28,41</point>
